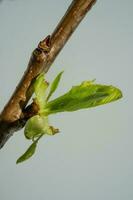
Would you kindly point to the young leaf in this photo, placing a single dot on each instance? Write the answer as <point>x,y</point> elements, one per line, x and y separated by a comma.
<point>29,152</point>
<point>83,96</point>
<point>54,84</point>
<point>40,87</point>
<point>36,126</point>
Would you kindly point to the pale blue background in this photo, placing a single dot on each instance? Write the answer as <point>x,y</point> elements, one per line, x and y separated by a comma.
<point>92,156</point>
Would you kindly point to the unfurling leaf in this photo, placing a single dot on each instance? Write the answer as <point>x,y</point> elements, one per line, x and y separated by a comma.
<point>54,84</point>
<point>29,152</point>
<point>40,87</point>
<point>86,95</point>
<point>36,126</point>
<point>83,96</point>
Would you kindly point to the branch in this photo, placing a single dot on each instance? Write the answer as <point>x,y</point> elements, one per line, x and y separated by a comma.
<point>14,115</point>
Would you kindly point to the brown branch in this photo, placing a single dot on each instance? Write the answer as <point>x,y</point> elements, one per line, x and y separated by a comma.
<point>14,115</point>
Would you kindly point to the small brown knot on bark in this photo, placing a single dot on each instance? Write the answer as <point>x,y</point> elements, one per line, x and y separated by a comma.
<point>45,44</point>
<point>43,48</point>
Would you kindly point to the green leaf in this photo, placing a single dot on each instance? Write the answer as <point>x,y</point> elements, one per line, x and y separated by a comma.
<point>36,126</point>
<point>83,96</point>
<point>54,84</point>
<point>40,87</point>
<point>29,152</point>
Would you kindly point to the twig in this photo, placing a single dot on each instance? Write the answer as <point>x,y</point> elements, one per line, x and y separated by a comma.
<point>14,115</point>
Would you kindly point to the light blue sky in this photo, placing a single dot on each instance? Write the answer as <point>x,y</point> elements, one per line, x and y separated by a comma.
<point>92,156</point>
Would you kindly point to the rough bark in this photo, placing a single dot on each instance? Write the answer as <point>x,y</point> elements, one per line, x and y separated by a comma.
<point>15,114</point>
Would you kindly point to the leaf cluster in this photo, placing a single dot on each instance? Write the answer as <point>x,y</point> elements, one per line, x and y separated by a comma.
<point>86,95</point>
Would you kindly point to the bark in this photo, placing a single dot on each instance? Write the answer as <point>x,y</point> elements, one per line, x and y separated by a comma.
<point>15,114</point>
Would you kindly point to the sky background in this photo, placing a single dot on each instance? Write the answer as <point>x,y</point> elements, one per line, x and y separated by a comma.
<point>91,158</point>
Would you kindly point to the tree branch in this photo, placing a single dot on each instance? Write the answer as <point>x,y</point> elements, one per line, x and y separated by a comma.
<point>14,115</point>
